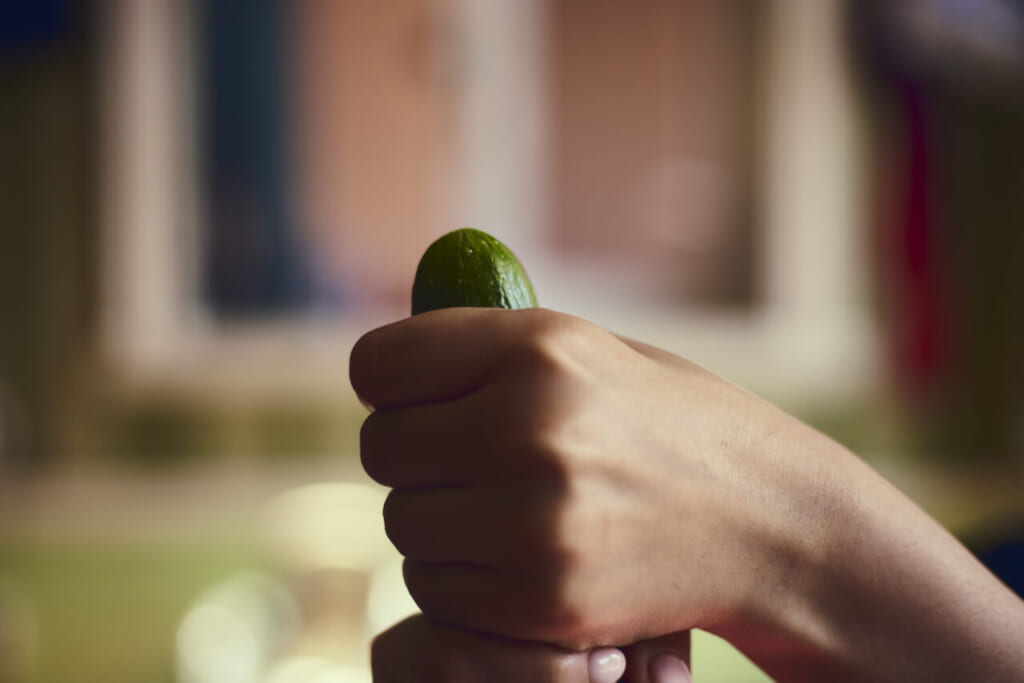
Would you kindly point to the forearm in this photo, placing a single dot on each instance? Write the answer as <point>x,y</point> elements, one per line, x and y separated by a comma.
<point>887,594</point>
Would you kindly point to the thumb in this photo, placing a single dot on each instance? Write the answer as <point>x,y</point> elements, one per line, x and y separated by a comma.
<point>665,659</point>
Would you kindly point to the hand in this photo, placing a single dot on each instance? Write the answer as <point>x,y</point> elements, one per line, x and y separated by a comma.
<point>555,483</point>
<point>419,650</point>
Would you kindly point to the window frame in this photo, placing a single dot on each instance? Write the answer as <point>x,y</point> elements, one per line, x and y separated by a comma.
<point>809,338</point>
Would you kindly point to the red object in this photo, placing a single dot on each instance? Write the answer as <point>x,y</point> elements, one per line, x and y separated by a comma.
<point>917,307</point>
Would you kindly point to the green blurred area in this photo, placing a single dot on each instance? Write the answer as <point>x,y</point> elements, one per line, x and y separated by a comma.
<point>107,610</point>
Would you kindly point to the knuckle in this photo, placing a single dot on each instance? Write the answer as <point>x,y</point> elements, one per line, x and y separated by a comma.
<point>549,336</point>
<point>537,410</point>
<point>542,344</point>
<point>539,536</point>
<point>558,565</point>
<point>562,624</point>
<point>371,450</point>
<point>557,611</point>
<point>419,586</point>
<point>543,437</point>
<point>568,627</point>
<point>384,653</point>
<point>362,364</point>
<point>368,434</point>
<point>563,556</point>
<point>397,521</point>
<point>552,436</point>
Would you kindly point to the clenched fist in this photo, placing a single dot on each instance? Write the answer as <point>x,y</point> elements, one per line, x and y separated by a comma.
<point>553,482</point>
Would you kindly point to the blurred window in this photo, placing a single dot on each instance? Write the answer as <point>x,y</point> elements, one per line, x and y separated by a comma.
<point>683,172</point>
<point>254,261</point>
<point>651,143</point>
<point>334,137</point>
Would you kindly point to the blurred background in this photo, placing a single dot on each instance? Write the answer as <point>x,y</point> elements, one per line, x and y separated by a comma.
<point>204,203</point>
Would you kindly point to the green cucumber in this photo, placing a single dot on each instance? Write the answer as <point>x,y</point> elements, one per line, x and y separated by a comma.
<point>468,267</point>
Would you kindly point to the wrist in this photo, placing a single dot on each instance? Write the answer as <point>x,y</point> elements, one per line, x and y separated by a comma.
<point>809,563</point>
<point>883,593</point>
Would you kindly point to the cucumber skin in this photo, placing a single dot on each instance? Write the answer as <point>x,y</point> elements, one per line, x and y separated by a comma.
<point>468,267</point>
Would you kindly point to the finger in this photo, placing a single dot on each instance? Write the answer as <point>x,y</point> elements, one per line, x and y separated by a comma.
<point>434,356</point>
<point>606,665</point>
<point>419,650</point>
<point>426,445</point>
<point>659,660</point>
<point>485,436</point>
<point>441,525</point>
<point>488,526</point>
<point>483,599</point>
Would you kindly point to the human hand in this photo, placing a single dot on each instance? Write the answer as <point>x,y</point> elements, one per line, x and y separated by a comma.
<point>418,650</point>
<point>555,483</point>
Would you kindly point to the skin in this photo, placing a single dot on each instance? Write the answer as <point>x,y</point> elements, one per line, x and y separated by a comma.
<point>555,483</point>
<point>421,650</point>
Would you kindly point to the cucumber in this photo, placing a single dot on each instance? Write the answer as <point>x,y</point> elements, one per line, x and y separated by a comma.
<point>468,267</point>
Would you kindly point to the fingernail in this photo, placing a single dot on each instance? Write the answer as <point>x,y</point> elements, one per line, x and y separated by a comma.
<point>606,665</point>
<point>668,668</point>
